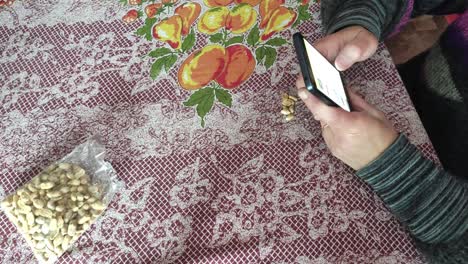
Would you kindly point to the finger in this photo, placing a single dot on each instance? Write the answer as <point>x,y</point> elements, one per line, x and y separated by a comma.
<point>300,82</point>
<point>329,137</point>
<point>321,111</point>
<point>356,101</point>
<point>359,104</point>
<point>358,49</point>
<point>310,103</point>
<point>329,46</point>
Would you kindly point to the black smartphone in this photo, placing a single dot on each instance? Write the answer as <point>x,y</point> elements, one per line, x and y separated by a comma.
<point>321,78</point>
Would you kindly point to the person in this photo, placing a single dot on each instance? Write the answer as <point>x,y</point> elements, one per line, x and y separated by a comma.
<point>431,202</point>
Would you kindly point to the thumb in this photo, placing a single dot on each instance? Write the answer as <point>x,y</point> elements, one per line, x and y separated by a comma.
<point>362,47</point>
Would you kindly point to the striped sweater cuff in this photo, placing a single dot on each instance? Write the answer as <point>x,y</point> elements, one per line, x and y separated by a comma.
<point>430,202</point>
<point>352,13</point>
<point>380,17</point>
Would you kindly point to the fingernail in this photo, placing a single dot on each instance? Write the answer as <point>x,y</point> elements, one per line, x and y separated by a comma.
<point>340,62</point>
<point>338,66</point>
<point>303,94</point>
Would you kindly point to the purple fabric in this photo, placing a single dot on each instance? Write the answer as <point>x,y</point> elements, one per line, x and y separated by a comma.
<point>404,20</point>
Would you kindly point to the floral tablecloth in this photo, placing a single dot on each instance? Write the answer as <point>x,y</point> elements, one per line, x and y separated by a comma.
<point>186,96</point>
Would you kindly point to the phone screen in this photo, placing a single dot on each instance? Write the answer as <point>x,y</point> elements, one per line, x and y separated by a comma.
<point>327,78</point>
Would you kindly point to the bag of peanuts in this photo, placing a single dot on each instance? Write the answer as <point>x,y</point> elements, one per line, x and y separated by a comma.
<point>59,204</point>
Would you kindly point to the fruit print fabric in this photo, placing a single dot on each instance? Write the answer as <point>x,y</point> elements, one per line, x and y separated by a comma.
<point>243,31</point>
<point>246,188</point>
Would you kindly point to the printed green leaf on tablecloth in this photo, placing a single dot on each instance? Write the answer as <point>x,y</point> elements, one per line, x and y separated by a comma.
<point>227,31</point>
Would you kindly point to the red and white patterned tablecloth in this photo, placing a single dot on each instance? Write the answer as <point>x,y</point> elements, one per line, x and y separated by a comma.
<point>247,187</point>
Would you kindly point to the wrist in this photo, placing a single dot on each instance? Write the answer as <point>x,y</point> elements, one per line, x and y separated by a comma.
<point>384,158</point>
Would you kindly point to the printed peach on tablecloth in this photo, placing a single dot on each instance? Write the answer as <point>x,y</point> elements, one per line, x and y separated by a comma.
<point>186,97</point>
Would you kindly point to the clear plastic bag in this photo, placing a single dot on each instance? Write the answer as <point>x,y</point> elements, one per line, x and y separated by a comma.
<point>59,204</point>
<point>90,156</point>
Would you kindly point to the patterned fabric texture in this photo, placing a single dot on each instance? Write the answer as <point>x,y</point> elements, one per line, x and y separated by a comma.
<point>223,179</point>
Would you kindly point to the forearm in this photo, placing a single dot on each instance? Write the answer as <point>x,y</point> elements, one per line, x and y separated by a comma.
<point>432,203</point>
<point>377,16</point>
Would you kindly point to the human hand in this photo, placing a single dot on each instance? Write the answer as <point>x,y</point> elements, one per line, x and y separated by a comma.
<point>357,138</point>
<point>347,46</point>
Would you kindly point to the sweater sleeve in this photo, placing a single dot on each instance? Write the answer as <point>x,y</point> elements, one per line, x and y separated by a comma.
<point>430,202</point>
<point>381,17</point>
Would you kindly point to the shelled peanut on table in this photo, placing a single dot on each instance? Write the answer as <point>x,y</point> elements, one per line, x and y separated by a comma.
<point>54,209</point>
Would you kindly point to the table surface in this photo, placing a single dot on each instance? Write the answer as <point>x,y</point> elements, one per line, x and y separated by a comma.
<point>247,187</point>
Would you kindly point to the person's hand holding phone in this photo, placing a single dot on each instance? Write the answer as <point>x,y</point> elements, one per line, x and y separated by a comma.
<point>347,46</point>
<point>357,138</point>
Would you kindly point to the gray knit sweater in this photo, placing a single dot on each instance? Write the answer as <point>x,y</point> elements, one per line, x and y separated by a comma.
<point>430,202</point>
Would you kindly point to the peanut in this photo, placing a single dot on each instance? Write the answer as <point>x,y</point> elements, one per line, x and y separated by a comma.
<point>79,172</point>
<point>34,229</point>
<point>38,203</point>
<point>47,213</point>
<point>53,224</point>
<point>40,245</point>
<point>65,242</point>
<point>51,205</point>
<point>288,102</point>
<point>55,208</point>
<point>54,194</point>
<point>45,229</point>
<point>46,185</point>
<point>74,182</point>
<point>71,229</point>
<point>59,208</point>
<point>7,202</point>
<point>84,219</point>
<point>285,112</point>
<point>30,218</point>
<point>58,240</point>
<point>38,236</point>
<point>40,220</point>
<point>65,166</point>
<point>31,188</point>
<point>64,189</point>
<point>289,106</point>
<point>60,221</point>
